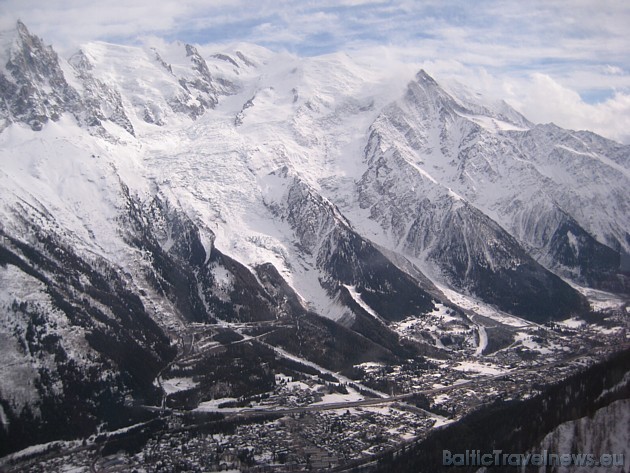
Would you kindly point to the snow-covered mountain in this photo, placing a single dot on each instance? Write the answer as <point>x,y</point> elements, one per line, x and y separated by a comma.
<point>145,189</point>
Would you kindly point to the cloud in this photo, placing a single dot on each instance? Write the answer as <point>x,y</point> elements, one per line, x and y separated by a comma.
<point>542,99</point>
<point>613,70</point>
<point>68,23</point>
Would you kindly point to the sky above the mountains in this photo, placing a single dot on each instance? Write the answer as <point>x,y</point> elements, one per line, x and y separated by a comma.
<point>561,61</point>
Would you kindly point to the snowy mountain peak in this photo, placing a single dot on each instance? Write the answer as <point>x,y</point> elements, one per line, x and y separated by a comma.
<point>32,82</point>
<point>18,37</point>
<point>424,78</point>
<point>455,100</point>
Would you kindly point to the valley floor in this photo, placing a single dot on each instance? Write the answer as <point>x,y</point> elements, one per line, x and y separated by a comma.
<point>314,419</point>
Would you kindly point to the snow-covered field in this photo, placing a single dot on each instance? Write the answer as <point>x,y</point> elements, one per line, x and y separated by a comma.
<point>174,385</point>
<point>479,367</point>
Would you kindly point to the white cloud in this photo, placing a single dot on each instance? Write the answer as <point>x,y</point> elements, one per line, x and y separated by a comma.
<point>613,70</point>
<point>67,23</point>
<point>542,99</point>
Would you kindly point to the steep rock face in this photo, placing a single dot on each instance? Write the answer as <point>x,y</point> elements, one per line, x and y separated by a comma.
<point>32,84</point>
<point>80,339</point>
<point>204,83</point>
<point>197,89</point>
<point>577,254</point>
<point>431,222</point>
<point>479,256</point>
<point>347,259</point>
<point>100,102</point>
<point>203,283</point>
<point>585,174</point>
<point>172,262</point>
<point>581,209</point>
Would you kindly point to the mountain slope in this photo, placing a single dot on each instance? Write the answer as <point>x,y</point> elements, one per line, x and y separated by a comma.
<point>450,156</point>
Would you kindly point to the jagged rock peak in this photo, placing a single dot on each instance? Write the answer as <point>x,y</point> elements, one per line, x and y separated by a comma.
<point>33,87</point>
<point>80,61</point>
<point>423,77</point>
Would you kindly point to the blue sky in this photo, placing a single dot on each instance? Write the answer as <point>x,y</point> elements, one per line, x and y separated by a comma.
<point>562,61</point>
